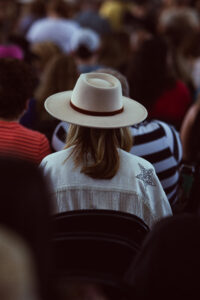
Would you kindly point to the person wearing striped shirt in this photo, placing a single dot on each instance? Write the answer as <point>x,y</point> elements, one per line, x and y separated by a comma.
<point>154,140</point>
<point>16,87</point>
<point>160,144</point>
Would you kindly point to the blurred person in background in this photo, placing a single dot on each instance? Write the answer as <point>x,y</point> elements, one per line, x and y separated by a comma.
<point>178,3</point>
<point>153,82</point>
<point>60,74</point>
<point>88,16</point>
<point>115,51</point>
<point>17,47</point>
<point>17,273</point>
<point>56,27</point>
<point>189,132</point>
<point>8,18</point>
<point>20,41</point>
<point>43,53</point>
<point>25,208</point>
<point>180,27</point>
<point>142,14</point>
<point>17,87</point>
<point>85,48</point>
<point>30,11</point>
<point>114,11</point>
<point>168,263</point>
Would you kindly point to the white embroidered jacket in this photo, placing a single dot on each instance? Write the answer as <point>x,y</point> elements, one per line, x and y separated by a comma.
<point>134,189</point>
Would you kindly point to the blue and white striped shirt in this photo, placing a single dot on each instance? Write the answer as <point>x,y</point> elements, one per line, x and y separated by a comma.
<point>160,144</point>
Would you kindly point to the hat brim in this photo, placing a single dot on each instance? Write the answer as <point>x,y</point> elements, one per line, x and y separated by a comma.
<point>58,105</point>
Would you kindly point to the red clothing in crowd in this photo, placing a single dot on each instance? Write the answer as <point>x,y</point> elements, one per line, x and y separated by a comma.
<point>18,141</point>
<point>172,104</point>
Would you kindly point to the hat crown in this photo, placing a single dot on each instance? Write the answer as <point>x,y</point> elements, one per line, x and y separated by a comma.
<point>99,83</point>
<point>97,92</point>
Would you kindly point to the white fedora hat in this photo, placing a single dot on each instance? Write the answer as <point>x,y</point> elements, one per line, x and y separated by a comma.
<point>96,101</point>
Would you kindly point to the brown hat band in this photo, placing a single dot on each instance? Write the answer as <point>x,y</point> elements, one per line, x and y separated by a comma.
<point>96,113</point>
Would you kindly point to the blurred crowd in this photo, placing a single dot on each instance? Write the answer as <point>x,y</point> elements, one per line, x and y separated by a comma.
<point>153,48</point>
<point>153,43</point>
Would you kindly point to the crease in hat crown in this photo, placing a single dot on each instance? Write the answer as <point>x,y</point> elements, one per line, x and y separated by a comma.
<point>97,92</point>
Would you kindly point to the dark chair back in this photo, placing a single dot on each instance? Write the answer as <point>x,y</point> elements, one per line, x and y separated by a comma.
<point>96,245</point>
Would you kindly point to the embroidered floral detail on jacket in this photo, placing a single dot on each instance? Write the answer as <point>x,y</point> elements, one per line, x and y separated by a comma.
<point>146,176</point>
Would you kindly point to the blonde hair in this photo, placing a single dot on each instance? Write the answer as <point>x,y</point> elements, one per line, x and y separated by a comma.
<point>96,149</point>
